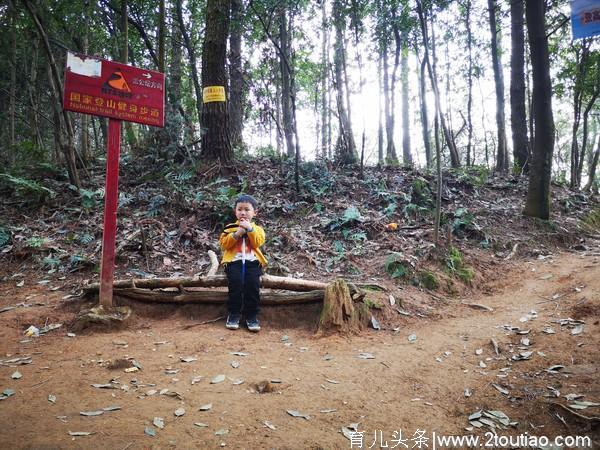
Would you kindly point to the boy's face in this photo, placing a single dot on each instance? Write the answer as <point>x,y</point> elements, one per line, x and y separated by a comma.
<point>244,211</point>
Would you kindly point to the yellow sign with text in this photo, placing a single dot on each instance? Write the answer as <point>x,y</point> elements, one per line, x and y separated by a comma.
<point>213,94</point>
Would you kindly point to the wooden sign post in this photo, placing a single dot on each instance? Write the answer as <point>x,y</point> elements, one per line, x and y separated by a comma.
<point>120,92</point>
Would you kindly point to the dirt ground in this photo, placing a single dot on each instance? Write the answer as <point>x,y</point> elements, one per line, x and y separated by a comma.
<point>407,386</point>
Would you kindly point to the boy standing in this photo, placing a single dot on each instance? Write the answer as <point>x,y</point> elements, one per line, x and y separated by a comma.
<point>243,261</point>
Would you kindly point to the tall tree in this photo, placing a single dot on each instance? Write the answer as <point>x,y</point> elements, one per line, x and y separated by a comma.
<point>346,145</point>
<point>468,9</point>
<point>406,154</point>
<point>540,171</point>
<point>518,118</point>
<point>502,152</point>
<point>193,66</point>
<point>215,123</point>
<point>286,82</point>
<point>325,136</point>
<point>454,157</point>
<point>236,78</point>
<point>64,134</point>
<point>13,83</point>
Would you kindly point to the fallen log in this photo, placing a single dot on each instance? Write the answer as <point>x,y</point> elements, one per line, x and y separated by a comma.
<point>267,281</point>
<point>218,297</point>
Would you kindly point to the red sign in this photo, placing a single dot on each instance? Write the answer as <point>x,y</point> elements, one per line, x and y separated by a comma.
<point>106,88</point>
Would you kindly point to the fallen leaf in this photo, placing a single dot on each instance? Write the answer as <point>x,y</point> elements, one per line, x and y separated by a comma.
<point>500,389</point>
<point>206,407</point>
<point>159,422</point>
<point>269,425</point>
<point>217,379</point>
<point>16,375</point>
<point>188,359</point>
<point>150,431</point>
<point>91,413</point>
<point>179,412</point>
<point>295,413</point>
<point>80,433</point>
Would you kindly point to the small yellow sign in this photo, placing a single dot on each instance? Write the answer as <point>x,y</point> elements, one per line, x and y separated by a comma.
<point>213,94</point>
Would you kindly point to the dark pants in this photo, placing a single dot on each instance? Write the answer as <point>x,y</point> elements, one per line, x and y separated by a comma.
<point>244,295</point>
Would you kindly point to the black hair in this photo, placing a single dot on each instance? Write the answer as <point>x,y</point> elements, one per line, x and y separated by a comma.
<point>244,198</point>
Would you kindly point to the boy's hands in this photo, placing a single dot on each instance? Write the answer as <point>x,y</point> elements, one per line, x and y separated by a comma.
<point>246,225</point>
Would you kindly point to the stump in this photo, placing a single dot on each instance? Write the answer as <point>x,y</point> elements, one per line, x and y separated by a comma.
<point>340,314</point>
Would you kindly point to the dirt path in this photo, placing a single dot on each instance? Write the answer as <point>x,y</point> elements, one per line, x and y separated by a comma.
<point>407,386</point>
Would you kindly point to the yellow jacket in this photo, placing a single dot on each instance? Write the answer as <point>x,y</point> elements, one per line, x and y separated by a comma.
<point>231,245</point>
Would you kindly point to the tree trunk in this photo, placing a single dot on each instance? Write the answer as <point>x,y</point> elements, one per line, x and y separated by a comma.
<point>577,103</point>
<point>174,87</point>
<point>593,167</point>
<point>346,145</point>
<point>502,153</point>
<point>193,66</point>
<point>390,152</point>
<point>34,119</point>
<point>215,123</point>
<point>380,158</point>
<point>586,114</point>
<point>324,77</point>
<point>85,118</point>
<point>538,193</point>
<point>438,115</point>
<point>124,33</point>
<point>286,85</point>
<point>406,155</point>
<point>236,79</point>
<point>469,83</point>
<point>13,83</point>
<point>67,145</point>
<point>422,74</point>
<point>454,158</point>
<point>161,36</point>
<point>518,118</point>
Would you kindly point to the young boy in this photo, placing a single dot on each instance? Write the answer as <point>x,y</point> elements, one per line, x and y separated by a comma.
<point>243,261</point>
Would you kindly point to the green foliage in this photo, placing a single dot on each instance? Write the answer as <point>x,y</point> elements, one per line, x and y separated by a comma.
<point>36,242</point>
<point>90,200</point>
<point>475,176</point>
<point>428,280</point>
<point>351,215</point>
<point>456,266</point>
<point>591,221</point>
<point>421,193</point>
<point>4,236</point>
<point>413,211</point>
<point>86,238</point>
<point>25,188</point>
<point>155,205</point>
<point>50,262</point>
<point>464,222</point>
<point>396,265</point>
<point>268,151</point>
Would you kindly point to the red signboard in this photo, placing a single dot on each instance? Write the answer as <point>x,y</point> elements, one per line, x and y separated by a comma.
<point>106,88</point>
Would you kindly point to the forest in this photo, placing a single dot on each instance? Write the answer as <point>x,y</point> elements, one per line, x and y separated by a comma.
<point>424,173</point>
<point>399,82</point>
